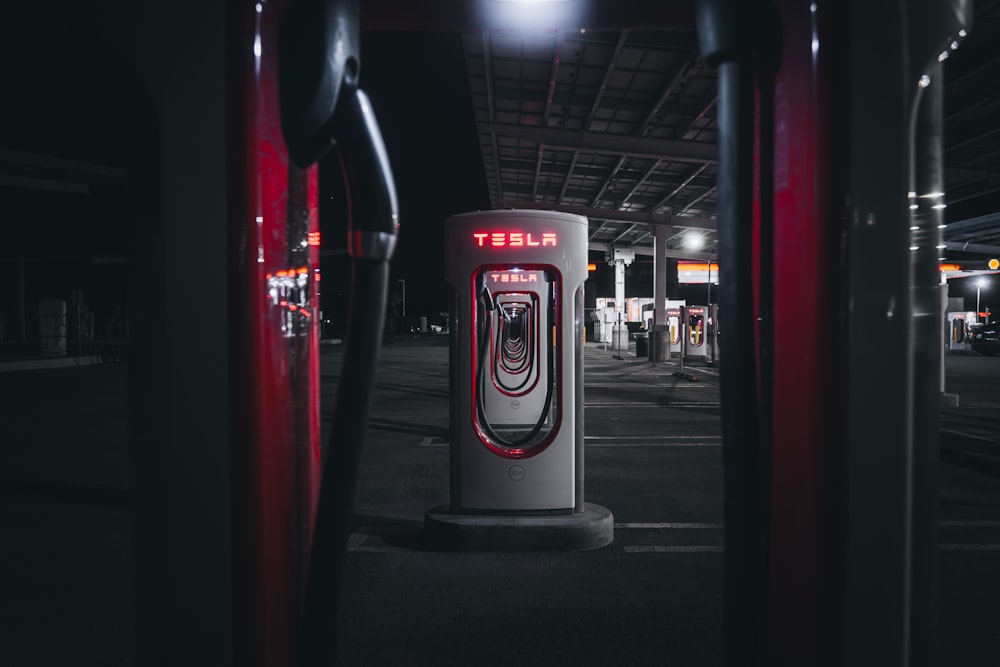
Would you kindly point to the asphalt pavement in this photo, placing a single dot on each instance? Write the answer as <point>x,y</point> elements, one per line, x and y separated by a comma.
<point>653,457</point>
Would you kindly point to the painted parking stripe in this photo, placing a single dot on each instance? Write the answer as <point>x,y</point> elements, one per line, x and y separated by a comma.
<point>625,443</point>
<point>665,436</point>
<point>645,385</point>
<point>686,549</point>
<point>659,406</point>
<point>980,524</point>
<point>700,548</point>
<point>969,547</point>
<point>647,526</point>
<point>639,525</point>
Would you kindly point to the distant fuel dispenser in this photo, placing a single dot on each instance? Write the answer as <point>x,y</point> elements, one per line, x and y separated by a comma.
<point>516,426</point>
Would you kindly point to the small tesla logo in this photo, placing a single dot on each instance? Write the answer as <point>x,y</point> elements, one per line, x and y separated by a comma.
<point>515,404</point>
<point>516,473</point>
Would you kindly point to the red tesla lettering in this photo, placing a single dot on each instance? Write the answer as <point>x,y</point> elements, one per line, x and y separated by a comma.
<point>515,239</point>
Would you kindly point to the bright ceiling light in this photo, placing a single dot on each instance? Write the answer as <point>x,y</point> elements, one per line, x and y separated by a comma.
<point>694,241</point>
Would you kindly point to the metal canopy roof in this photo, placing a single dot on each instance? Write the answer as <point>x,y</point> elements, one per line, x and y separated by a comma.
<point>620,126</point>
<point>617,126</point>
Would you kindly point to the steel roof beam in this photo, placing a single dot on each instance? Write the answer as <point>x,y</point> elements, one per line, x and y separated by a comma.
<point>614,215</point>
<point>488,69</point>
<point>610,144</point>
<point>647,251</point>
<point>971,247</point>
<point>581,101</point>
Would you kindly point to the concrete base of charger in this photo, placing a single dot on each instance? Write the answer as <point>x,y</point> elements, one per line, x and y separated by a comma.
<point>591,529</point>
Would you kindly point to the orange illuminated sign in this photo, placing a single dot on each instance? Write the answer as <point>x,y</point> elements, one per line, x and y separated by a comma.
<point>696,266</point>
<point>592,267</point>
<point>514,239</point>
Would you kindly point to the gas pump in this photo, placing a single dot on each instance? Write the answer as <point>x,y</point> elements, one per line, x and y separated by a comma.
<point>517,377</point>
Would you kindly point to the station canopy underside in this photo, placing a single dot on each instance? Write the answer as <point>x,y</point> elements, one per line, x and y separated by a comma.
<point>620,126</point>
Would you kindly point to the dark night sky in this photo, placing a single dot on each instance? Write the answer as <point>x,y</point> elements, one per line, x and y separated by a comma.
<point>419,89</point>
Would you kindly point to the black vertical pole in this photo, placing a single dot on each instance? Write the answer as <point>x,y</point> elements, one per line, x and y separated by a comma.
<point>928,343</point>
<point>732,37</point>
<point>744,611</point>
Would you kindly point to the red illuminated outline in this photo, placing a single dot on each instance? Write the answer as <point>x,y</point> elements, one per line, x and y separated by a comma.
<point>514,239</point>
<point>484,438</point>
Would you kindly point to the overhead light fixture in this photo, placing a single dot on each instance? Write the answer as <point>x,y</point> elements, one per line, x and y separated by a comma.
<point>694,241</point>
<point>535,16</point>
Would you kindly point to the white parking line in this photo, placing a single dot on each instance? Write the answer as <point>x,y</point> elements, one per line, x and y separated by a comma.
<point>644,385</point>
<point>971,436</point>
<point>646,526</point>
<point>687,549</point>
<point>666,436</point>
<point>971,523</point>
<point>698,548</point>
<point>676,404</point>
<point>969,547</point>
<point>626,443</point>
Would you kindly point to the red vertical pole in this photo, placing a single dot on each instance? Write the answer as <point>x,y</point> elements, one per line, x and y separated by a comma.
<point>274,266</point>
<point>807,512</point>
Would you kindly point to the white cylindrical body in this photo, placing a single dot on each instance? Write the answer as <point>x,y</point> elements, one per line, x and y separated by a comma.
<point>516,360</point>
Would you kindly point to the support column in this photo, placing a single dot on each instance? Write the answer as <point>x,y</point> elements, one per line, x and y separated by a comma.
<point>22,317</point>
<point>619,259</point>
<point>659,337</point>
<point>660,276</point>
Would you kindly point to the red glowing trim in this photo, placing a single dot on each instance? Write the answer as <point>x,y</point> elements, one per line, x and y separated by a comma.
<point>950,267</point>
<point>484,438</point>
<point>313,238</point>
<point>515,239</point>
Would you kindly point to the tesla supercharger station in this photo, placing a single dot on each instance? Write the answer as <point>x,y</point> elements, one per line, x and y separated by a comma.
<point>696,322</point>
<point>517,370</point>
<point>517,335</point>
